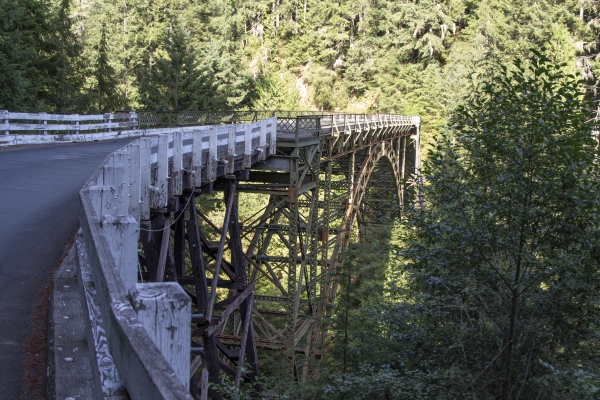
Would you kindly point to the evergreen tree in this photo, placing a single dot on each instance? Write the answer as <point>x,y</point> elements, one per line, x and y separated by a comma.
<point>108,97</point>
<point>505,252</point>
<point>22,29</point>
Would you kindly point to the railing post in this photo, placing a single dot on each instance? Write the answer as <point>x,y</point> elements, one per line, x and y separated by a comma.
<point>4,118</point>
<point>262,141</point>
<point>121,234</point>
<point>230,167</point>
<point>165,311</point>
<point>248,146</point>
<point>107,120</point>
<point>212,155</point>
<point>133,118</point>
<point>43,121</point>
<point>273,138</point>
<point>76,122</point>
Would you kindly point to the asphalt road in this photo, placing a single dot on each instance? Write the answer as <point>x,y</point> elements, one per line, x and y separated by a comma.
<point>39,215</point>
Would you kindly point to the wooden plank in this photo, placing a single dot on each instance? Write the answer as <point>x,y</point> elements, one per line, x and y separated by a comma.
<point>55,117</point>
<point>164,310</point>
<point>63,127</point>
<point>212,155</point>
<point>145,178</point>
<point>247,163</point>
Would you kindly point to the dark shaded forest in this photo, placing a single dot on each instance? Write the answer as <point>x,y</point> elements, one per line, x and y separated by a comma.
<point>489,286</point>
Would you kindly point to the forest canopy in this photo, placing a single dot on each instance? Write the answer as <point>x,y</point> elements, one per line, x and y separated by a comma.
<point>407,57</point>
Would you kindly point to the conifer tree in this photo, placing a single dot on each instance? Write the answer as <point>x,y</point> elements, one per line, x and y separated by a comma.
<point>108,97</point>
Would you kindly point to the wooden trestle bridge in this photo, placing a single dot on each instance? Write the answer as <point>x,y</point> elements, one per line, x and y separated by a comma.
<point>262,283</point>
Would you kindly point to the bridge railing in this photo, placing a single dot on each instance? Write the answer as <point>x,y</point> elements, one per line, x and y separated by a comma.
<point>42,123</point>
<point>147,326</point>
<point>188,118</point>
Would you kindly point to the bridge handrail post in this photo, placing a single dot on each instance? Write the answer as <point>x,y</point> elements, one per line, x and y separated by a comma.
<point>4,118</point>
<point>133,119</point>
<point>43,121</point>
<point>108,117</point>
<point>76,122</point>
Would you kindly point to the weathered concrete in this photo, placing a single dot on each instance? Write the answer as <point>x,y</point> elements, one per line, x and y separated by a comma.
<point>39,210</point>
<point>69,361</point>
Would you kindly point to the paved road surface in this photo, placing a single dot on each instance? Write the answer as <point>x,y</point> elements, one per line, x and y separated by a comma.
<point>39,211</point>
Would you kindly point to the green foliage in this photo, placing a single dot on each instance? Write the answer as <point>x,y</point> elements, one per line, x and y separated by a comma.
<point>505,251</point>
<point>22,29</point>
<point>276,91</point>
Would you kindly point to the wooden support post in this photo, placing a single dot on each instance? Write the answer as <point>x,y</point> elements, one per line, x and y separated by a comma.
<point>273,139</point>
<point>119,179</point>
<point>176,181</point>
<point>212,362</point>
<point>164,249</point>
<point>196,257</point>
<point>108,118</point>
<point>110,202</point>
<point>204,385</point>
<point>212,154</point>
<point>145,178</point>
<point>164,310</point>
<point>160,189</point>
<point>247,146</point>
<point>99,196</point>
<point>76,123</point>
<point>133,120</point>
<point>4,119</point>
<point>179,243</point>
<point>219,258</point>
<point>122,236</point>
<point>196,166</point>
<point>133,178</point>
<point>262,142</point>
<point>43,121</point>
<point>247,320</point>
<point>230,167</point>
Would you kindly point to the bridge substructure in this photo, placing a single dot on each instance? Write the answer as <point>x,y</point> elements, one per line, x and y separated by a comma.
<point>264,280</point>
<point>277,270</point>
